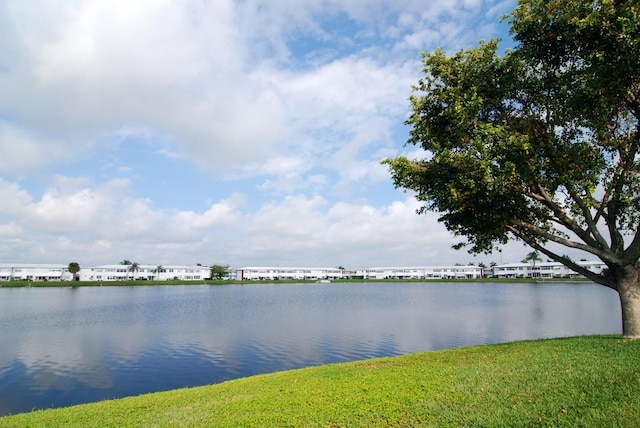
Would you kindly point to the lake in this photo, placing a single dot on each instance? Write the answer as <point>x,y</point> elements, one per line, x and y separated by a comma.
<point>65,346</point>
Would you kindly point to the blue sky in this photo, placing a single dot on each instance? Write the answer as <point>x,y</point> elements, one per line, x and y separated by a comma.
<point>231,132</point>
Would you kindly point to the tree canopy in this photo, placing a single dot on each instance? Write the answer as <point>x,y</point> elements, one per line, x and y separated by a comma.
<point>219,271</point>
<point>73,269</point>
<point>133,268</point>
<point>541,142</point>
<point>532,257</point>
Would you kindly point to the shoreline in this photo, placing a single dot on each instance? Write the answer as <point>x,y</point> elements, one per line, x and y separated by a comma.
<point>548,382</point>
<point>72,284</point>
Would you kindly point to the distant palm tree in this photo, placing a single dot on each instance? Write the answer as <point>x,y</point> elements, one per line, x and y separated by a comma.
<point>125,262</point>
<point>133,268</point>
<point>533,257</point>
<point>158,270</point>
<point>73,269</point>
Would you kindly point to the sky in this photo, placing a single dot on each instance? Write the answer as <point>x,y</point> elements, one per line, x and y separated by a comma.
<point>236,132</point>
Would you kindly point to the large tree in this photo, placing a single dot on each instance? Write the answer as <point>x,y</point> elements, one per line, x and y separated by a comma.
<point>219,271</point>
<point>539,143</point>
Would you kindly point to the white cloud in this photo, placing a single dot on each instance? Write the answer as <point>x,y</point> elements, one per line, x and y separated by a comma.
<point>10,230</point>
<point>12,197</point>
<point>310,228</point>
<point>101,221</point>
<point>289,102</point>
<point>175,67</point>
<point>23,151</point>
<point>188,72</point>
<point>191,225</point>
<point>63,213</point>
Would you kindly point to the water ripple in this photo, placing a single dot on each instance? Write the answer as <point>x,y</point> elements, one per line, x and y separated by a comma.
<point>68,346</point>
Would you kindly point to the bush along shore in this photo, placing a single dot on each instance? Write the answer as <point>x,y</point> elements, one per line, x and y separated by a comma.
<point>580,381</point>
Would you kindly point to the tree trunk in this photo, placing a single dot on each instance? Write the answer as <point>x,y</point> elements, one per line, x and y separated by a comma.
<point>629,292</point>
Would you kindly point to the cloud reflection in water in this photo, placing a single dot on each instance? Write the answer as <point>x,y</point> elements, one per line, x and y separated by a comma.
<point>63,346</point>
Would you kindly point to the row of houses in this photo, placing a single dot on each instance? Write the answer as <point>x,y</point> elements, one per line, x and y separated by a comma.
<point>34,272</point>
<point>284,273</point>
<point>510,270</point>
<point>293,273</point>
<point>189,273</point>
<point>435,272</point>
<point>145,272</point>
<point>544,270</point>
<point>118,272</point>
<point>59,272</point>
<point>263,273</point>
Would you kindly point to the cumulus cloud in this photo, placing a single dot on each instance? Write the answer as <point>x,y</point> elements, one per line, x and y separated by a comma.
<point>344,233</point>
<point>172,66</point>
<point>286,109</point>
<point>190,72</point>
<point>22,150</point>
<point>104,214</point>
<point>75,215</point>
<point>10,230</point>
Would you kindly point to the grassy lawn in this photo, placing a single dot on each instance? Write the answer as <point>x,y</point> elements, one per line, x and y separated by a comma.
<point>584,381</point>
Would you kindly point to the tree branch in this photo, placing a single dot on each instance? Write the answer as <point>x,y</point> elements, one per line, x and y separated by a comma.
<point>515,226</point>
<point>564,219</point>
<point>611,213</point>
<point>598,278</point>
<point>586,214</point>
<point>600,212</point>
<point>632,253</point>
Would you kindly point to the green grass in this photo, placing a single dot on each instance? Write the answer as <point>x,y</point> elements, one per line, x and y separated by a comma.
<point>584,381</point>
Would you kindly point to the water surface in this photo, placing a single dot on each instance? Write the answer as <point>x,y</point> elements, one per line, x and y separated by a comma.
<point>64,346</point>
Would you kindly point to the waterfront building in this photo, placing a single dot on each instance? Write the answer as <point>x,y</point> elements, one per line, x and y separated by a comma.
<point>145,272</point>
<point>288,273</point>
<point>544,270</point>
<point>118,272</point>
<point>424,272</point>
<point>34,272</point>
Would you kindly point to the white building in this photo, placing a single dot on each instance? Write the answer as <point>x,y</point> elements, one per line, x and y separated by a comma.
<point>544,270</point>
<point>424,272</point>
<point>34,272</point>
<point>293,273</point>
<point>145,272</point>
<point>288,273</point>
<point>118,272</point>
